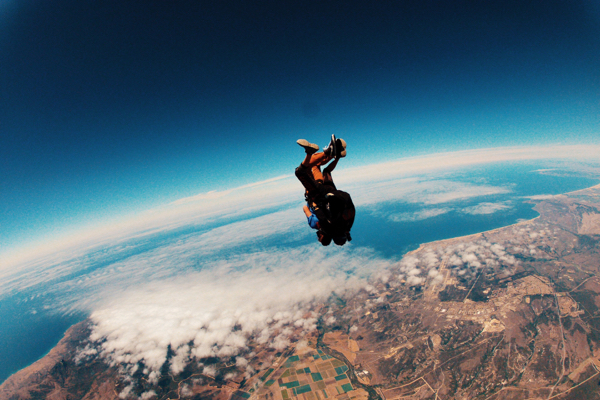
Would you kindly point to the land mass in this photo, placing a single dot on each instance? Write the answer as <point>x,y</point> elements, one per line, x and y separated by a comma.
<point>512,313</point>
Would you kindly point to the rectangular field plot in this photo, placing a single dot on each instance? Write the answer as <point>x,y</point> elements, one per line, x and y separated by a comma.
<point>309,375</point>
<point>316,377</point>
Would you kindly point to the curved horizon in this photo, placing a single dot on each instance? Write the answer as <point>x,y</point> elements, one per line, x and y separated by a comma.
<point>275,192</point>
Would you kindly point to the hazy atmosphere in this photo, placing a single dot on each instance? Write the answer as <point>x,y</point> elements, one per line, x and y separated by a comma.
<point>147,156</point>
<point>108,108</point>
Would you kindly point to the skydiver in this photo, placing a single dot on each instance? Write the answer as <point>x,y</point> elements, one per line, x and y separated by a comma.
<point>328,210</point>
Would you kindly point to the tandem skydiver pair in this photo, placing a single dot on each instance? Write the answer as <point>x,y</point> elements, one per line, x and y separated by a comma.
<point>330,211</point>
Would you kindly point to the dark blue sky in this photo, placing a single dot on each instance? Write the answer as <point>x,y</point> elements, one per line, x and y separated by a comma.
<point>108,107</point>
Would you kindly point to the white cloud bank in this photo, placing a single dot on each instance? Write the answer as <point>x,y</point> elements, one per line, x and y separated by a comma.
<point>462,260</point>
<point>484,208</point>
<point>418,215</point>
<point>160,261</point>
<point>422,190</point>
<point>265,297</point>
<point>487,208</point>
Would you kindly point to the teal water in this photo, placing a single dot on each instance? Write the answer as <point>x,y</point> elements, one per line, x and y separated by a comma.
<point>28,336</point>
<point>396,238</point>
<point>28,331</point>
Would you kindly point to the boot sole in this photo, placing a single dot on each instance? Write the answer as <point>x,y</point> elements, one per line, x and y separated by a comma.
<point>309,147</point>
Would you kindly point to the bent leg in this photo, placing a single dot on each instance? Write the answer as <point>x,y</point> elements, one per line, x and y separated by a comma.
<point>331,167</point>
<point>328,179</point>
<point>305,177</point>
<point>316,159</point>
<point>316,173</point>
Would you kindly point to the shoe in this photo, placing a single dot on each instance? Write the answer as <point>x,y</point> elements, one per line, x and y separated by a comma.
<point>340,145</point>
<point>310,148</point>
<point>330,150</point>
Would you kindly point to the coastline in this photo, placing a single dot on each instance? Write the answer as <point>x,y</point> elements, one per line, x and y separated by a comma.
<point>35,372</point>
<point>473,235</point>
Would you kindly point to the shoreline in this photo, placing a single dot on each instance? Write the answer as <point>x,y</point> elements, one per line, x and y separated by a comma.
<point>458,238</point>
<point>36,370</point>
<point>45,361</point>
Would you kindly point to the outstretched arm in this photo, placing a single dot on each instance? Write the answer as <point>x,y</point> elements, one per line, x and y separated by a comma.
<point>331,166</point>
<point>306,211</point>
<point>313,221</point>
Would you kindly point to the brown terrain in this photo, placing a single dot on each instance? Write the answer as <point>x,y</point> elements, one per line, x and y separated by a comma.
<point>512,313</point>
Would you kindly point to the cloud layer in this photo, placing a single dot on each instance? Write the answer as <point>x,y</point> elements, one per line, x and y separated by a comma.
<point>418,215</point>
<point>460,260</point>
<point>265,297</point>
<point>487,208</point>
<point>234,280</point>
<point>268,298</point>
<point>426,191</point>
<point>214,206</point>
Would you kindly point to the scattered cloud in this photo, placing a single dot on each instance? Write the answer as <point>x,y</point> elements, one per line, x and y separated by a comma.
<point>264,297</point>
<point>466,259</point>
<point>478,209</point>
<point>197,293</point>
<point>541,197</point>
<point>418,215</point>
<point>487,208</point>
<point>422,267</point>
<point>423,190</point>
<point>153,258</point>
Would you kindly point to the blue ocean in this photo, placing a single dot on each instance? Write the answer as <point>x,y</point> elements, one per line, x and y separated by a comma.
<point>28,331</point>
<point>396,238</point>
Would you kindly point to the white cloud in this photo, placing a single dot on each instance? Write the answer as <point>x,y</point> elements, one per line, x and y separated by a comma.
<point>414,280</point>
<point>186,391</point>
<point>487,208</point>
<point>454,260</point>
<point>421,190</point>
<point>164,260</point>
<point>423,263</point>
<point>210,371</point>
<point>148,395</point>
<point>541,197</point>
<point>180,360</point>
<point>418,215</point>
<point>469,258</point>
<point>289,222</point>
<point>408,262</point>
<point>126,392</point>
<point>498,249</point>
<point>264,296</point>
<point>431,259</point>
